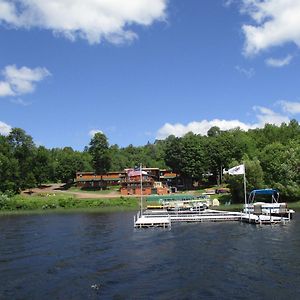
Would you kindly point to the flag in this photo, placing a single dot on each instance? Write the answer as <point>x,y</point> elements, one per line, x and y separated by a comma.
<point>238,170</point>
<point>136,172</point>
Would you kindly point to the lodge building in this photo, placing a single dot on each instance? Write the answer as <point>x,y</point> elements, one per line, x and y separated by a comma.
<point>155,181</point>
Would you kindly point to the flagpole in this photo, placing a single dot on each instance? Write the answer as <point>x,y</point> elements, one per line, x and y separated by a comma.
<point>141,205</point>
<point>245,187</point>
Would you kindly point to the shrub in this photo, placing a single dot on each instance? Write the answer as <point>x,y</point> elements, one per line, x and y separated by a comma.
<point>4,201</point>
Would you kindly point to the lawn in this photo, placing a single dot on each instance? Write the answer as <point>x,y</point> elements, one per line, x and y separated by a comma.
<point>53,202</point>
<point>101,192</point>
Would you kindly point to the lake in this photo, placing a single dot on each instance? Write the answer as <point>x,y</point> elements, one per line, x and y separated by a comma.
<point>100,256</point>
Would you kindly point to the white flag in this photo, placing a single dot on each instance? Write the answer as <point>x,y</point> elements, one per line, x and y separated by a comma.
<point>238,170</point>
<point>225,172</point>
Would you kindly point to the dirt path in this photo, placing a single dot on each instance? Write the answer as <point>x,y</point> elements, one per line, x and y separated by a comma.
<point>59,188</point>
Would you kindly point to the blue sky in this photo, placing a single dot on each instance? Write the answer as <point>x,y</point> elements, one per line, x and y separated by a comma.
<point>138,70</point>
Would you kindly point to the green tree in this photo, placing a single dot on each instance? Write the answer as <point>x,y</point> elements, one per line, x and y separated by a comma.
<point>67,162</point>
<point>99,150</point>
<point>22,148</point>
<point>186,156</point>
<point>281,165</point>
<point>42,168</point>
<point>214,131</point>
<point>9,167</point>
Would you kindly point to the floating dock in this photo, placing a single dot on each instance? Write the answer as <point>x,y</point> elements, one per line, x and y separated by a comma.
<point>263,219</point>
<point>148,221</point>
<point>164,218</point>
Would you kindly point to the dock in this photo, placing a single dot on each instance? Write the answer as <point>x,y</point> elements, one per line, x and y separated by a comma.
<point>263,219</point>
<point>148,221</point>
<point>165,219</point>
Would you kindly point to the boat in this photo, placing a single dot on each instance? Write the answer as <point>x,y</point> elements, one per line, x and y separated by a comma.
<point>272,208</point>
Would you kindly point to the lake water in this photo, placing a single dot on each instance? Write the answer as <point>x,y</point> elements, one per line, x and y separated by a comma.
<point>61,256</point>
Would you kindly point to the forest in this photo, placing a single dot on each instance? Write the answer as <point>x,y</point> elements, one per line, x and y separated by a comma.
<point>271,156</point>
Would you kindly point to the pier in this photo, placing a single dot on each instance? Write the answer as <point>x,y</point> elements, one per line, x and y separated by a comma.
<point>165,219</point>
<point>148,221</point>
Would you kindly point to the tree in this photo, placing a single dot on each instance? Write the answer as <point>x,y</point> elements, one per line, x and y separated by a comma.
<point>42,168</point>
<point>281,165</point>
<point>186,156</point>
<point>99,150</point>
<point>9,168</point>
<point>214,131</point>
<point>22,149</point>
<point>67,162</point>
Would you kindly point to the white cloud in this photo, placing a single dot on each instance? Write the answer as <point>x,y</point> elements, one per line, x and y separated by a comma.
<point>94,131</point>
<point>264,116</point>
<point>4,128</point>
<point>277,23</point>
<point>268,116</point>
<point>93,20</point>
<point>228,3</point>
<point>5,89</point>
<point>290,107</point>
<point>20,101</point>
<point>20,81</point>
<point>249,73</point>
<point>279,62</point>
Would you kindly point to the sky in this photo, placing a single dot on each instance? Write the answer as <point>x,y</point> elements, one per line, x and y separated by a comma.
<point>140,70</point>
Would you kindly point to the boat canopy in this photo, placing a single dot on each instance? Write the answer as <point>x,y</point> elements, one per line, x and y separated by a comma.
<point>265,192</point>
<point>274,193</point>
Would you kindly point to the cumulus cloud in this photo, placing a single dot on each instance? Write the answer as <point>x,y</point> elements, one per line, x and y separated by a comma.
<point>263,115</point>
<point>290,107</point>
<point>4,128</point>
<point>279,62</point>
<point>93,20</point>
<point>268,116</point>
<point>5,89</point>
<point>94,131</point>
<point>20,81</point>
<point>200,127</point>
<point>276,22</point>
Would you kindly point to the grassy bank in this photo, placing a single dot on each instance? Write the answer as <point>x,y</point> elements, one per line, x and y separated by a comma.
<point>64,202</point>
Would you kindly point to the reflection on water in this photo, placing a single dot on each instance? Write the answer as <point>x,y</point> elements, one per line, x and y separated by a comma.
<point>94,255</point>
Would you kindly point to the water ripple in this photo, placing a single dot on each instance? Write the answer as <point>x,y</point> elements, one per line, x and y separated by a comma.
<point>64,256</point>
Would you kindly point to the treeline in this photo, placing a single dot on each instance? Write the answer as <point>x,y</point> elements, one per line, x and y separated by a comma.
<point>24,165</point>
<point>271,155</point>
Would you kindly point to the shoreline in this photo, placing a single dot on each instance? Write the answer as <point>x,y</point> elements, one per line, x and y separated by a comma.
<point>62,203</point>
<point>105,209</point>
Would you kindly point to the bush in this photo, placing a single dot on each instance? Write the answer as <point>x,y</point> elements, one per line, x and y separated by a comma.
<point>7,201</point>
<point>4,201</point>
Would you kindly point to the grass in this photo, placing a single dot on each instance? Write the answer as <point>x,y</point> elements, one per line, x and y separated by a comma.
<point>101,192</point>
<point>65,202</point>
